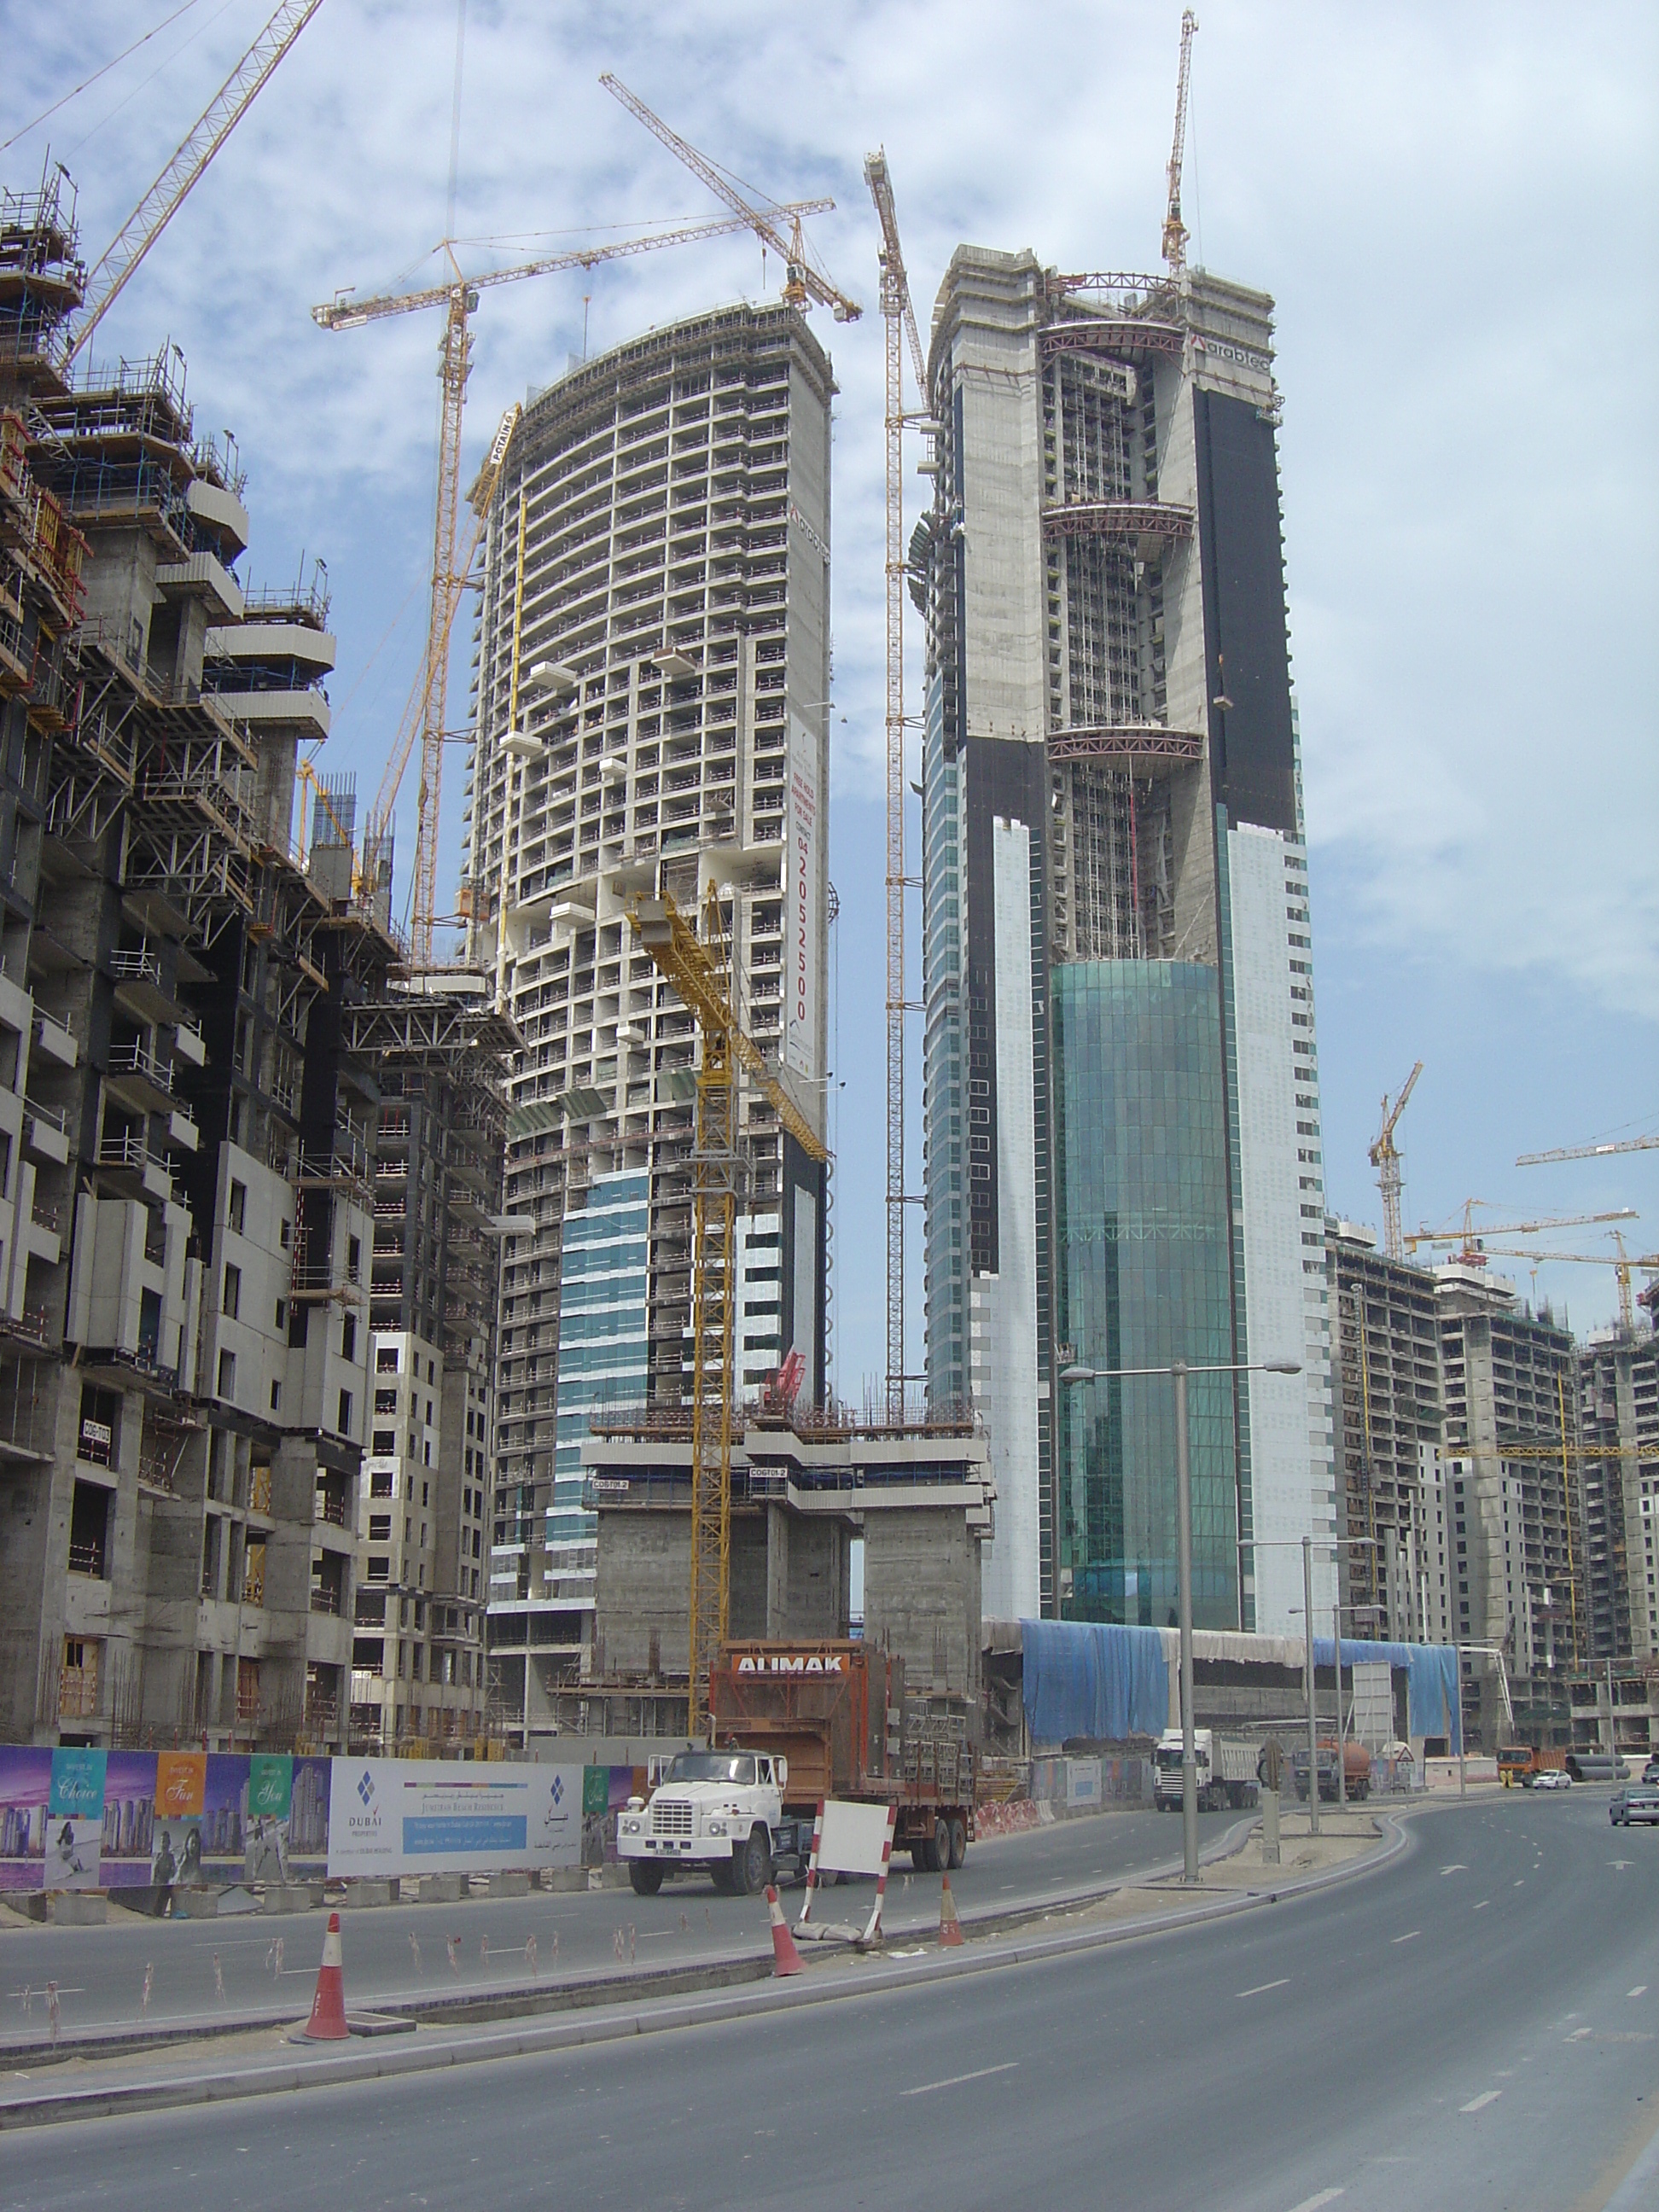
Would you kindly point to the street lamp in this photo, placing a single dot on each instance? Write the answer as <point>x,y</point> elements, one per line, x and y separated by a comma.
<point>1180,1370</point>
<point>1306,1544</point>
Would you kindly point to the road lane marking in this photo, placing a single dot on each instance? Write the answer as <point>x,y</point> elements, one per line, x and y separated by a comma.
<point>1640,1990</point>
<point>926,2089</point>
<point>1262,1988</point>
<point>1313,2203</point>
<point>1457,1867</point>
<point>1579,2033</point>
<point>1411,1938</point>
<point>1522,1882</point>
<point>1484,1903</point>
<point>1479,2103</point>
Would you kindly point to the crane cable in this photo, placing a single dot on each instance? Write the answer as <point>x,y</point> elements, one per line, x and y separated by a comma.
<point>86,82</point>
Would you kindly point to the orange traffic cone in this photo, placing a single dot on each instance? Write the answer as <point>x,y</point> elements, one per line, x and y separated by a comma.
<point>950,1928</point>
<point>786,1958</point>
<point>327,2023</point>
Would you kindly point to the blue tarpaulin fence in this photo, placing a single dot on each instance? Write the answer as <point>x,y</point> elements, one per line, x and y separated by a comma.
<point>1434,1703</point>
<point>1094,1681</point>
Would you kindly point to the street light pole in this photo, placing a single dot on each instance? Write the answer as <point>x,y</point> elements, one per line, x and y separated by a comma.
<point>1184,1576</point>
<point>1179,1370</point>
<point>1341,1734</point>
<point>1313,1717</point>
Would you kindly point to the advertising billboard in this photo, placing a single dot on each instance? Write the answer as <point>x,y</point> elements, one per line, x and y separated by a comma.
<point>391,1817</point>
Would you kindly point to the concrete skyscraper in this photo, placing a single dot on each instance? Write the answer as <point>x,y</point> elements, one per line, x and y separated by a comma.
<point>1122,1092</point>
<point>652,712</point>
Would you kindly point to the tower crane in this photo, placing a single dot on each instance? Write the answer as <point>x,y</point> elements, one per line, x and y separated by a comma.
<point>1623,1266</point>
<point>1470,1241</point>
<point>458,297</point>
<point>698,972</point>
<point>1385,1158</point>
<point>1648,1144</point>
<point>803,285</point>
<point>119,260</point>
<point>900,321</point>
<point>1174,231</point>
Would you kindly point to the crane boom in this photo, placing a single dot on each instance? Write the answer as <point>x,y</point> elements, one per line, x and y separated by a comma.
<point>803,281</point>
<point>119,261</point>
<point>1469,1235</point>
<point>1174,231</point>
<point>1588,1152</point>
<point>344,313</point>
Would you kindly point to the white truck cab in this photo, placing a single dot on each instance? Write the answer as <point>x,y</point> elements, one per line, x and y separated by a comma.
<point>718,1812</point>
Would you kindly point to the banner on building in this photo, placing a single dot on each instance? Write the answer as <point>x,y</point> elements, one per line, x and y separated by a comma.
<point>390,1817</point>
<point>803,837</point>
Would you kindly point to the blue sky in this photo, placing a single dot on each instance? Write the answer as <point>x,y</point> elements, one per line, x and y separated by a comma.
<point>1454,210</point>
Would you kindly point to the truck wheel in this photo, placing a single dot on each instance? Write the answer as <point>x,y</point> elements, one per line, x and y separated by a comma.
<point>722,1873</point>
<point>940,1856</point>
<point>644,1878</point>
<point>958,1839</point>
<point>922,1856</point>
<point>751,1864</point>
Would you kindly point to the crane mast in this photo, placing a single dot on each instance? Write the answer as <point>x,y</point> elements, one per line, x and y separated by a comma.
<point>899,321</point>
<point>698,972</point>
<point>119,261</point>
<point>1174,231</point>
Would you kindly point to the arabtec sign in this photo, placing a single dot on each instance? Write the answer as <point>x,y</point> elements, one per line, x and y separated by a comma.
<point>794,1662</point>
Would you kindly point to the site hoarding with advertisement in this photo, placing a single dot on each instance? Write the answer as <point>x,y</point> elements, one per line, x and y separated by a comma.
<point>80,1818</point>
<point>390,1817</point>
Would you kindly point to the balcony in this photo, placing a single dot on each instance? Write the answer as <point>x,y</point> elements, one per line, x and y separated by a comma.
<point>125,1164</point>
<point>139,991</point>
<point>46,1133</point>
<point>138,1079</point>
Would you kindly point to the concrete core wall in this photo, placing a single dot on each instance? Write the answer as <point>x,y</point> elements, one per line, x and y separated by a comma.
<point>922,1596</point>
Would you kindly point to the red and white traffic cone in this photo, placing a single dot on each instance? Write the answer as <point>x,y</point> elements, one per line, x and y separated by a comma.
<point>786,1958</point>
<point>950,1928</point>
<point>327,2023</point>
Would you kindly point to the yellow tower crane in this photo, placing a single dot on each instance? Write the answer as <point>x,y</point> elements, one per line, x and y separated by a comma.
<point>1385,1158</point>
<point>1622,1264</point>
<point>698,971</point>
<point>458,295</point>
<point>1472,1238</point>
<point>1588,1152</point>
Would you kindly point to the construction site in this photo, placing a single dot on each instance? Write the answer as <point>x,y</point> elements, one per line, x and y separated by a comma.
<point>406,1351</point>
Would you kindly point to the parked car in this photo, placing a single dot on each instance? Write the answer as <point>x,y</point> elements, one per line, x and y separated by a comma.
<point>1650,1771</point>
<point>1551,1778</point>
<point>1639,1803</point>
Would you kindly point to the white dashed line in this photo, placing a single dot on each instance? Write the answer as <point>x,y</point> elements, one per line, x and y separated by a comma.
<point>1411,1937</point>
<point>1484,1903</point>
<point>1262,1988</point>
<point>1579,2033</point>
<point>954,2081</point>
<point>1640,1990</point>
<point>1313,2203</point>
<point>1479,2104</point>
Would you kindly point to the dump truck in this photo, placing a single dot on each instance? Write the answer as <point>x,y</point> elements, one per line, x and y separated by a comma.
<point>792,1724</point>
<point>1356,1769</point>
<point>1226,1771</point>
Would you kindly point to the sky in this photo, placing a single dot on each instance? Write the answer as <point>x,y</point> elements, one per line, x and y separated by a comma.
<point>1454,208</point>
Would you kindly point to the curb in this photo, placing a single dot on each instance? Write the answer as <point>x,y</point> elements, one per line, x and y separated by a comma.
<point>612,2026</point>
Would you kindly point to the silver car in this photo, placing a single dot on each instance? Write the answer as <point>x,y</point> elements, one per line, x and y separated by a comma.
<point>1551,1778</point>
<point>1640,1802</point>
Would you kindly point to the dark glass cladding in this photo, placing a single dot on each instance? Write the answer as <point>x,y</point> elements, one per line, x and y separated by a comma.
<point>1253,769</point>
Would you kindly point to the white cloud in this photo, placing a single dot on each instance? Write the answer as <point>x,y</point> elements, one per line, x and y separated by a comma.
<point>1453,208</point>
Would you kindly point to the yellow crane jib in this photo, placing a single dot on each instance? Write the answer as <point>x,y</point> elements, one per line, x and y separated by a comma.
<point>684,961</point>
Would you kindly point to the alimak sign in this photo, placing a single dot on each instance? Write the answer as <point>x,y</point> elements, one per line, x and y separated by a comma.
<point>793,1663</point>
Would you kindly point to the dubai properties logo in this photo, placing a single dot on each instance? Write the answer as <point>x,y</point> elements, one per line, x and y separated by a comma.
<point>366,1789</point>
<point>557,1791</point>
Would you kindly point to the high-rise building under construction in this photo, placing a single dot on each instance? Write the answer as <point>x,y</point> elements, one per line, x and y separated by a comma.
<point>1121,1094</point>
<point>651,715</point>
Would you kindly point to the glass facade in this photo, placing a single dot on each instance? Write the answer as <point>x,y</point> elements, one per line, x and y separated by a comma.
<point>603,1334</point>
<point>1143,1258</point>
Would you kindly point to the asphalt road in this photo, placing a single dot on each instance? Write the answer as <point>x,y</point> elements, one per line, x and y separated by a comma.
<point>400,1951</point>
<point>1473,2027</point>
